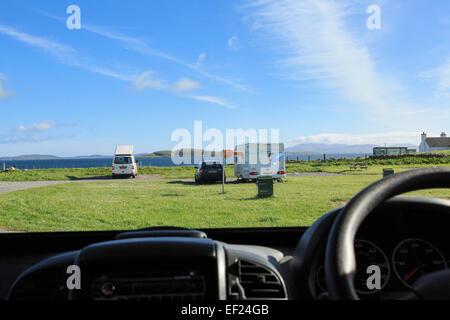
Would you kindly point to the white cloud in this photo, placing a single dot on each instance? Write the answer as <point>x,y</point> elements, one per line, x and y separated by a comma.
<point>33,133</point>
<point>441,74</point>
<point>3,93</point>
<point>144,82</point>
<point>233,43</point>
<point>185,85</point>
<point>139,45</point>
<point>40,126</point>
<point>390,138</point>
<point>44,125</point>
<point>201,58</point>
<point>214,100</point>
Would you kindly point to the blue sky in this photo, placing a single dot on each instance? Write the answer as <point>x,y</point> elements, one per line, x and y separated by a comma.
<point>138,70</point>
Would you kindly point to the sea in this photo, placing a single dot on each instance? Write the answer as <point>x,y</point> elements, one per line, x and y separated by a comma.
<point>155,162</point>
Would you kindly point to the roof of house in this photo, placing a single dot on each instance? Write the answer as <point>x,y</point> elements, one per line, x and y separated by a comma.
<point>438,142</point>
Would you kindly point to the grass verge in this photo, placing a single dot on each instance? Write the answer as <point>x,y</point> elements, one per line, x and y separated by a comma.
<point>130,204</point>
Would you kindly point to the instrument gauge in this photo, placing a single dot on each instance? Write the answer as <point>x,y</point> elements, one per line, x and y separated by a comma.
<point>368,254</point>
<point>413,258</point>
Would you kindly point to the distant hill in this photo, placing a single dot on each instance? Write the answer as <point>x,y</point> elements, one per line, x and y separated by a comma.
<point>338,148</point>
<point>160,153</point>
<point>30,157</point>
<point>92,156</point>
<point>168,153</point>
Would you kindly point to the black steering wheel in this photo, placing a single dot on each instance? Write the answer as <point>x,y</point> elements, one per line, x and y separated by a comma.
<point>340,263</point>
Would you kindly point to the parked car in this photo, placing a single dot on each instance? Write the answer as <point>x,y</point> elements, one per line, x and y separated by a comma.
<point>209,171</point>
<point>124,163</point>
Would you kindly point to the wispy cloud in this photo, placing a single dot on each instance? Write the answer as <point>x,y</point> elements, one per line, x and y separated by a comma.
<point>145,81</point>
<point>140,46</point>
<point>69,56</point>
<point>63,53</point>
<point>390,138</point>
<point>441,74</point>
<point>233,43</point>
<point>185,84</point>
<point>34,132</point>
<point>200,59</point>
<point>40,126</point>
<point>4,93</point>
<point>214,100</point>
<point>317,45</point>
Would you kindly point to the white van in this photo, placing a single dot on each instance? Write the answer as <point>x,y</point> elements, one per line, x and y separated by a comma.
<point>252,160</point>
<point>124,163</point>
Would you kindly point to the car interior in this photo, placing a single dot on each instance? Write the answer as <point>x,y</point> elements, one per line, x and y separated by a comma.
<point>405,236</point>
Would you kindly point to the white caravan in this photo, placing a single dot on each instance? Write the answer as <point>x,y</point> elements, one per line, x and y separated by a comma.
<point>252,160</point>
<point>124,163</point>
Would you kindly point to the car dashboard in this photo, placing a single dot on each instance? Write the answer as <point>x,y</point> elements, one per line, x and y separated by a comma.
<point>405,238</point>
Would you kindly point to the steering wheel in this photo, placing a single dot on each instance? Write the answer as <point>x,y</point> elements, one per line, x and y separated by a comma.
<point>340,263</point>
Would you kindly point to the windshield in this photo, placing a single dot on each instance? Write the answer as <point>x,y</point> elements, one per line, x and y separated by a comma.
<point>320,97</point>
<point>122,160</point>
<point>211,165</point>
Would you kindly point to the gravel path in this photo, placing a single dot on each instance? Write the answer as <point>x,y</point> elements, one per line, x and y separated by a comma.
<point>10,186</point>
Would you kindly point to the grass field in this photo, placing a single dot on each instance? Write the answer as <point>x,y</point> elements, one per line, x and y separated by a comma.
<point>78,173</point>
<point>130,204</point>
<point>182,172</point>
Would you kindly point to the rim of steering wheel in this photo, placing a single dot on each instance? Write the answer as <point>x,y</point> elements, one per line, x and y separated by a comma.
<point>340,264</point>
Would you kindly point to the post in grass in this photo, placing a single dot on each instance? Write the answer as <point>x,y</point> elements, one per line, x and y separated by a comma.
<point>223,171</point>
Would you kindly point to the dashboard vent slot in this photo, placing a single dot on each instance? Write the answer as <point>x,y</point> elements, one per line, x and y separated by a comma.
<point>134,286</point>
<point>46,284</point>
<point>259,282</point>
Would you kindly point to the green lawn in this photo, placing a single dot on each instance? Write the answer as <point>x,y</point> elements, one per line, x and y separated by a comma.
<point>342,167</point>
<point>130,204</point>
<point>78,173</point>
<point>338,167</point>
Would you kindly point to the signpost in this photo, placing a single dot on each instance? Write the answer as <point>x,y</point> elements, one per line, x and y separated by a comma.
<point>223,171</point>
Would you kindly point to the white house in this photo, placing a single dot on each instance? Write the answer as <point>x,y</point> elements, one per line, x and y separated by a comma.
<point>434,143</point>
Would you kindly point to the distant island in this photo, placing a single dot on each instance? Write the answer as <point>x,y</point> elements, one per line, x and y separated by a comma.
<point>161,153</point>
<point>303,148</point>
<point>31,157</point>
<point>168,153</point>
<point>48,157</point>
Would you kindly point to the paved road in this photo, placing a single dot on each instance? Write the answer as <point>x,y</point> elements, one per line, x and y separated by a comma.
<point>10,186</point>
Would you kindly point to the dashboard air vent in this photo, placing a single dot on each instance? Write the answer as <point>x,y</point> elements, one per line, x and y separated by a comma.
<point>259,282</point>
